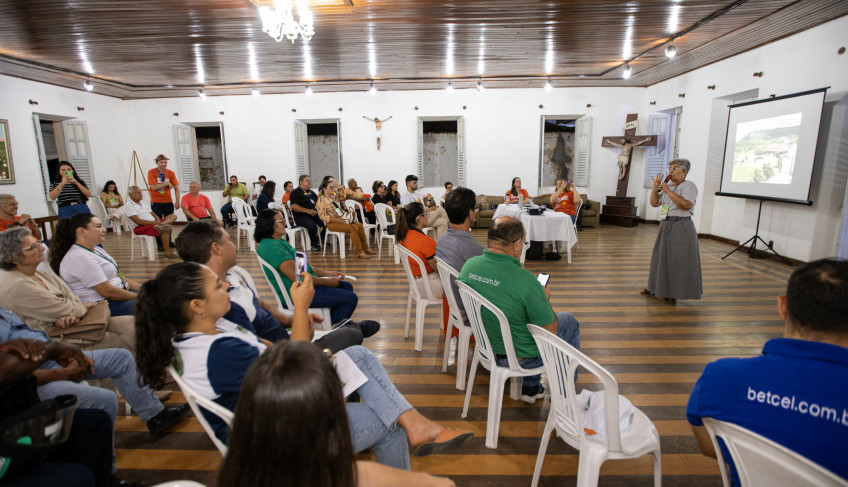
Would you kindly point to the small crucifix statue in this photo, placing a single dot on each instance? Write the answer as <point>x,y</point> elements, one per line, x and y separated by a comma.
<point>379,126</point>
<point>627,143</point>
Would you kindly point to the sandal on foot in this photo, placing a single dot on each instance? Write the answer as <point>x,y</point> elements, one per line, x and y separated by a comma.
<point>447,440</point>
<point>645,291</point>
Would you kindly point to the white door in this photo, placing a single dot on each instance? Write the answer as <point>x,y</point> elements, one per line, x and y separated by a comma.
<point>184,147</point>
<point>301,149</point>
<point>656,158</point>
<point>339,142</point>
<point>582,152</point>
<point>460,152</point>
<point>79,151</point>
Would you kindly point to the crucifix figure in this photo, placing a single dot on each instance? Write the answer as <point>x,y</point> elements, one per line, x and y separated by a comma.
<point>627,143</point>
<point>379,125</point>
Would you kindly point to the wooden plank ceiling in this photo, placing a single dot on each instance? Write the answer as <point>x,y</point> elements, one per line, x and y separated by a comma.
<point>158,48</point>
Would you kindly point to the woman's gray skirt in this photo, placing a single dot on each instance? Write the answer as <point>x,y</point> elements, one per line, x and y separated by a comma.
<point>676,261</point>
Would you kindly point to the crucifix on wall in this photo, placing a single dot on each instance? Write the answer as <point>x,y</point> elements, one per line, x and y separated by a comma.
<point>627,143</point>
<point>378,124</point>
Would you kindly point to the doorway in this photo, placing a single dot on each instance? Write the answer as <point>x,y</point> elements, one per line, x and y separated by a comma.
<point>318,148</point>
<point>201,155</point>
<point>62,139</point>
<point>441,151</point>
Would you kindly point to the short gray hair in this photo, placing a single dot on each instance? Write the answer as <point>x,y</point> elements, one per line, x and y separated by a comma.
<point>4,196</point>
<point>11,244</point>
<point>683,163</point>
<point>132,188</point>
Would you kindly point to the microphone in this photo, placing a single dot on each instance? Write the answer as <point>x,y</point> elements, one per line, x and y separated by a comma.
<point>667,179</point>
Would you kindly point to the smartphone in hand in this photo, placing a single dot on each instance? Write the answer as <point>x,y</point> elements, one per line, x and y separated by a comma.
<point>300,265</point>
<point>543,279</point>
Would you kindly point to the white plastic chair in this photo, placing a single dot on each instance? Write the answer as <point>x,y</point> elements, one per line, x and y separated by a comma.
<point>326,313</point>
<point>146,242</point>
<point>383,222</point>
<point>360,210</point>
<point>421,301</point>
<point>485,356</point>
<point>640,438</point>
<point>196,401</point>
<point>115,225</point>
<point>293,231</point>
<point>760,462</point>
<point>446,272</point>
<point>245,222</point>
<point>340,237</point>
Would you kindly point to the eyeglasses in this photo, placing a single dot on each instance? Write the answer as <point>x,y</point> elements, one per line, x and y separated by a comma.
<point>675,168</point>
<point>32,247</point>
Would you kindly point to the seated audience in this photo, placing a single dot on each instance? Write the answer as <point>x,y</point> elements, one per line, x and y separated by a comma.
<point>257,188</point>
<point>515,191</point>
<point>448,189</point>
<point>112,200</point>
<point>302,204</point>
<point>791,394</point>
<point>378,190</point>
<point>143,221</point>
<point>276,414</point>
<point>90,272</point>
<point>288,186</point>
<point>411,220</point>
<point>437,218</point>
<point>45,302</point>
<point>208,244</point>
<point>331,290</point>
<point>266,196</point>
<point>56,378</point>
<point>9,217</point>
<point>566,198</point>
<point>498,276</point>
<point>233,190</point>
<point>197,206</point>
<point>178,311</point>
<point>393,194</point>
<point>84,459</point>
<point>356,193</point>
<point>70,191</point>
<point>339,219</point>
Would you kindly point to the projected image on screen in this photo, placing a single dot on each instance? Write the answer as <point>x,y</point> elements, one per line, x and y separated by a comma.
<point>765,150</point>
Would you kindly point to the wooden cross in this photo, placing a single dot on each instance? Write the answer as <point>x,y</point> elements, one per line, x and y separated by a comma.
<point>627,143</point>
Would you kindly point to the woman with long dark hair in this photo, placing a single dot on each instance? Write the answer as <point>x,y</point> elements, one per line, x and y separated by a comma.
<point>266,196</point>
<point>176,320</point>
<point>91,273</point>
<point>514,191</point>
<point>392,193</point>
<point>70,191</point>
<point>280,395</point>
<point>111,199</point>
<point>412,219</point>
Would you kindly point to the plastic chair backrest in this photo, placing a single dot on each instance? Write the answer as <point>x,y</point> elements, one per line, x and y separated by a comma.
<point>448,276</point>
<point>288,216</point>
<point>474,304</point>
<point>760,462</point>
<point>561,361</point>
<point>380,210</point>
<point>283,291</point>
<point>195,401</point>
<point>407,267</point>
<point>354,205</point>
<point>243,214</point>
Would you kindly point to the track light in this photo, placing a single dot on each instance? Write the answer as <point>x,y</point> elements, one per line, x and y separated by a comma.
<point>449,88</point>
<point>255,92</point>
<point>479,86</point>
<point>549,86</point>
<point>670,51</point>
<point>308,90</point>
<point>201,94</point>
<point>626,72</point>
<point>373,89</point>
<point>88,85</point>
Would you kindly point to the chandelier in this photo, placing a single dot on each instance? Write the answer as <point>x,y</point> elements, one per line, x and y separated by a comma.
<point>278,21</point>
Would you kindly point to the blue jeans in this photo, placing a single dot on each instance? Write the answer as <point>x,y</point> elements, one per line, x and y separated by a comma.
<point>341,300</point>
<point>122,308</point>
<point>568,329</point>
<point>111,363</point>
<point>373,422</point>
<point>71,210</point>
<point>226,210</point>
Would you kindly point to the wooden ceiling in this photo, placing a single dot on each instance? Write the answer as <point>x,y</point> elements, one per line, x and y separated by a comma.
<point>166,48</point>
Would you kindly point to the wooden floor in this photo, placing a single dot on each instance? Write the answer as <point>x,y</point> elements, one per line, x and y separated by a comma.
<point>656,352</point>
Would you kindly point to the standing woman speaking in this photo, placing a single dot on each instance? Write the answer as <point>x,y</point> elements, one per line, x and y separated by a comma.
<point>676,261</point>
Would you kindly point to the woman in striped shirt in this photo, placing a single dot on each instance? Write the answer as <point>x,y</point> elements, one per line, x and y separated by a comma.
<point>70,192</point>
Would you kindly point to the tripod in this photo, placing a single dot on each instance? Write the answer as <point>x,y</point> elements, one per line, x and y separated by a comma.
<point>752,252</point>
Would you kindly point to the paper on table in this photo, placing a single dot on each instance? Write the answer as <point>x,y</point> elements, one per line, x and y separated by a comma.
<point>352,378</point>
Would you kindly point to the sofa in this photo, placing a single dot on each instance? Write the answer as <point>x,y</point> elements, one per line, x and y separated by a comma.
<point>487,205</point>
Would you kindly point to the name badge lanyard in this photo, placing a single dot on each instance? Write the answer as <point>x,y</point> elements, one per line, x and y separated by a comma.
<point>124,281</point>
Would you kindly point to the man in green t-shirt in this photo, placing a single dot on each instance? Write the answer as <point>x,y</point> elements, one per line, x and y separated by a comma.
<point>237,190</point>
<point>498,276</point>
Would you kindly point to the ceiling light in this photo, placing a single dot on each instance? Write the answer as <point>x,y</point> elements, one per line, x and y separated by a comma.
<point>201,94</point>
<point>626,72</point>
<point>308,90</point>
<point>549,86</point>
<point>479,86</point>
<point>88,85</point>
<point>373,89</point>
<point>255,92</point>
<point>670,51</point>
<point>278,21</point>
<point>449,88</point>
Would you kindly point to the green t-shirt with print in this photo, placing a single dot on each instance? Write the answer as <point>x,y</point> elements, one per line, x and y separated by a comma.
<point>516,292</point>
<point>275,252</point>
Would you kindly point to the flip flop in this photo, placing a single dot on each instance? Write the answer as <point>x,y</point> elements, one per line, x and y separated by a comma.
<point>450,440</point>
<point>644,291</point>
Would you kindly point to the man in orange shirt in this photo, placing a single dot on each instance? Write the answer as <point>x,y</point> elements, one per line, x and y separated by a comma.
<point>160,180</point>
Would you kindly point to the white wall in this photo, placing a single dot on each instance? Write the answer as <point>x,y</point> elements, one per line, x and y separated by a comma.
<point>806,61</point>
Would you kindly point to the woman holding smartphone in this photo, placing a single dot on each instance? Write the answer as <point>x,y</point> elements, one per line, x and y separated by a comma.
<point>70,192</point>
<point>566,198</point>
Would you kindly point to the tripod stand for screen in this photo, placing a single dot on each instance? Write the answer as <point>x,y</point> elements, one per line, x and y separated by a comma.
<point>752,251</point>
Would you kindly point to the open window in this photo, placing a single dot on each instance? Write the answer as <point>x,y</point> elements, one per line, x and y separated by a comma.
<point>318,148</point>
<point>666,126</point>
<point>200,154</point>
<point>63,139</point>
<point>441,151</point>
<point>564,152</point>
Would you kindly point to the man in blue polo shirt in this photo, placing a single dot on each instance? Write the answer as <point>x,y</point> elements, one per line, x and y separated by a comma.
<point>498,276</point>
<point>795,393</point>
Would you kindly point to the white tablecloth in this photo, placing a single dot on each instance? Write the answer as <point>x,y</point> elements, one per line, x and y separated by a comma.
<point>549,226</point>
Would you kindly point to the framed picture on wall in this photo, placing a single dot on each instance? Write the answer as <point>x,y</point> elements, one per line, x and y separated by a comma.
<point>7,171</point>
